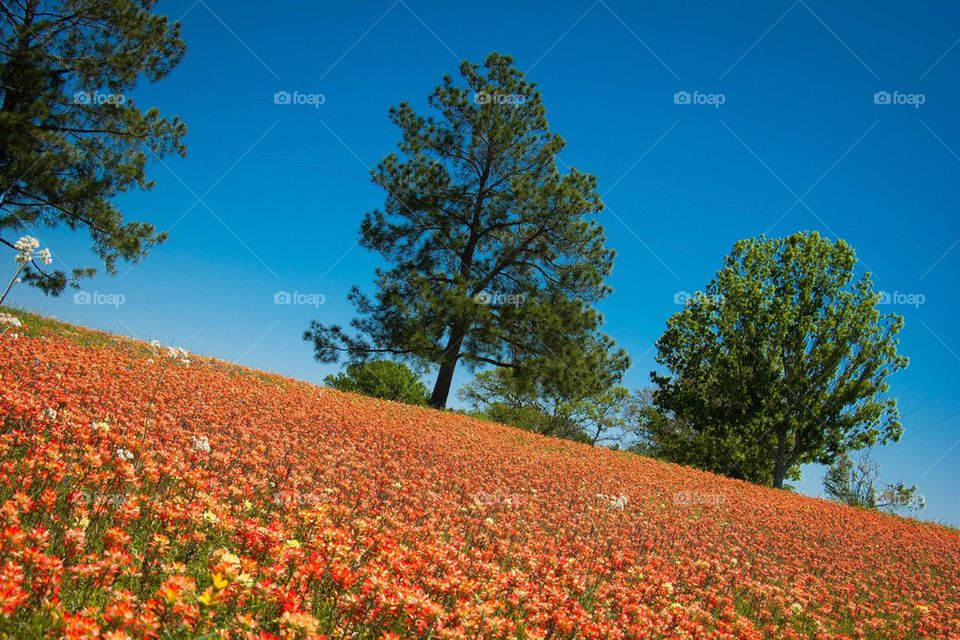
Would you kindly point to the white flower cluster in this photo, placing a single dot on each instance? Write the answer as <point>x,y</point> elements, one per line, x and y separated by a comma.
<point>26,246</point>
<point>9,321</point>
<point>201,443</point>
<point>178,354</point>
<point>125,454</point>
<point>613,502</point>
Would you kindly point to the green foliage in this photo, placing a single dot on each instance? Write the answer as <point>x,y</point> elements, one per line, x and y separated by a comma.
<point>381,379</point>
<point>495,258</point>
<point>783,361</point>
<point>855,482</point>
<point>70,137</point>
<point>503,396</point>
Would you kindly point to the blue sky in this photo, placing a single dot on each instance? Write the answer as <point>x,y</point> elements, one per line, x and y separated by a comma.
<point>271,195</point>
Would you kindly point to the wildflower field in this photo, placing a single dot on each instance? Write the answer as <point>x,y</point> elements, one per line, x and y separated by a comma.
<point>150,493</point>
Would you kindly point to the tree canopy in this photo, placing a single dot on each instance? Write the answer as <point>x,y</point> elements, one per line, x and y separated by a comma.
<point>782,361</point>
<point>71,136</point>
<point>494,256</point>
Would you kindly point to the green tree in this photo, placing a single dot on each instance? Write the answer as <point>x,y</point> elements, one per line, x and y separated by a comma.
<point>601,418</point>
<point>495,257</point>
<point>783,361</point>
<point>381,379</point>
<point>70,136</point>
<point>856,483</point>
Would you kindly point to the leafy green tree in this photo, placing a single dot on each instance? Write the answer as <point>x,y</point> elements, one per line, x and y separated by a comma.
<point>856,483</point>
<point>663,435</point>
<point>381,379</point>
<point>495,257</point>
<point>783,361</point>
<point>601,418</point>
<point>70,136</point>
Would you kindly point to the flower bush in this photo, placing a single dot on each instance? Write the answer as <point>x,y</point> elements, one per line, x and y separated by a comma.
<point>144,496</point>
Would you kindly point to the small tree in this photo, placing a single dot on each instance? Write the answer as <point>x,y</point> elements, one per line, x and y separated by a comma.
<point>71,139</point>
<point>784,361</point>
<point>600,418</point>
<point>856,483</point>
<point>494,256</point>
<point>381,379</point>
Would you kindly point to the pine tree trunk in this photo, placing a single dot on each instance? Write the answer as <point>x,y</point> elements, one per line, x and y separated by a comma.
<point>441,389</point>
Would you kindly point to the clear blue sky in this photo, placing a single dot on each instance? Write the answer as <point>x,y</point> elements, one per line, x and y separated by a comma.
<point>270,196</point>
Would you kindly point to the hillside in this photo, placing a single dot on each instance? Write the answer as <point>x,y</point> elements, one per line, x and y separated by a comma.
<point>147,496</point>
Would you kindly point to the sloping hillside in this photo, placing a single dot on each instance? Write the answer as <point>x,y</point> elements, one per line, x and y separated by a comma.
<point>143,495</point>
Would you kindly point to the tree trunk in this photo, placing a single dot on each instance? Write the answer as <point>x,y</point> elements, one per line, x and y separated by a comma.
<point>780,466</point>
<point>441,389</point>
<point>779,474</point>
<point>451,355</point>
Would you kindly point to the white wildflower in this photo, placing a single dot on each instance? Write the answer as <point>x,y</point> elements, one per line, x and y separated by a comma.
<point>10,321</point>
<point>124,454</point>
<point>50,414</point>
<point>201,443</point>
<point>45,256</point>
<point>25,246</point>
<point>179,354</point>
<point>27,243</point>
<point>613,502</point>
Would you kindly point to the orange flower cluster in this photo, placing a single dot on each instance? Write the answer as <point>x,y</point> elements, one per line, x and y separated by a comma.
<point>144,494</point>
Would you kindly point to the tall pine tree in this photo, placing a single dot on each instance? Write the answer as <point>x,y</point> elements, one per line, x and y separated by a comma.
<point>71,136</point>
<point>495,255</point>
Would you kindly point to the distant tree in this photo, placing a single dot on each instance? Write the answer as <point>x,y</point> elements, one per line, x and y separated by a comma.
<point>70,137</point>
<point>601,418</point>
<point>783,361</point>
<point>495,258</point>
<point>856,483</point>
<point>381,379</point>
